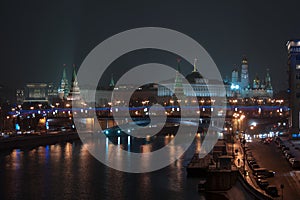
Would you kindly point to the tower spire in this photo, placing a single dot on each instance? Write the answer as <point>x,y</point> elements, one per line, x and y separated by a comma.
<point>112,82</point>
<point>244,73</point>
<point>178,65</point>
<point>268,80</point>
<point>74,76</point>
<point>64,85</point>
<point>64,76</point>
<point>74,93</point>
<point>195,68</point>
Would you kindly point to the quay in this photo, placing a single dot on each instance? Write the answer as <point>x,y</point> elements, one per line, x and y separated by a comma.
<point>21,141</point>
<point>220,170</point>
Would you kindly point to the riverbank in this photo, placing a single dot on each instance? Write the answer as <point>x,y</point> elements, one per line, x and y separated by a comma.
<point>21,141</point>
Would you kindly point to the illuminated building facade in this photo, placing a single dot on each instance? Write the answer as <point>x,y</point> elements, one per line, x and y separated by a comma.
<point>63,89</point>
<point>243,89</point>
<point>244,74</point>
<point>293,47</point>
<point>20,96</point>
<point>74,94</point>
<point>36,92</point>
<point>196,86</point>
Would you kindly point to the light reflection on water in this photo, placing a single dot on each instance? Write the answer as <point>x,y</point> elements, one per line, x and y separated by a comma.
<point>68,171</point>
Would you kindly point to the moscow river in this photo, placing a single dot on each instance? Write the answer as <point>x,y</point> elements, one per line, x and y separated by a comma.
<point>69,171</point>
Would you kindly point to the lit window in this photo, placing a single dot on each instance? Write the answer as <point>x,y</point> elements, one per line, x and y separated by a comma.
<point>297,66</point>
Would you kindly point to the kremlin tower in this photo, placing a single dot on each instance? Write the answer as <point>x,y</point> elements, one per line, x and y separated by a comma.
<point>244,74</point>
<point>261,87</point>
<point>74,94</point>
<point>178,87</point>
<point>63,89</point>
<point>65,92</point>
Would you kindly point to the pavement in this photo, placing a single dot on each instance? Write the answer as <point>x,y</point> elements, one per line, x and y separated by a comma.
<point>270,157</point>
<point>238,161</point>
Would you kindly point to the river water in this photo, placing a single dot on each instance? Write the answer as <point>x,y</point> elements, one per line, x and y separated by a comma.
<point>69,171</point>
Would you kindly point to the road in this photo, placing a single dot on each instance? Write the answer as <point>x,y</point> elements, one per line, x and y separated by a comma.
<point>270,157</point>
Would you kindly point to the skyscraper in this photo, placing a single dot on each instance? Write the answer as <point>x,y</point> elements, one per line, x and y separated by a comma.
<point>293,47</point>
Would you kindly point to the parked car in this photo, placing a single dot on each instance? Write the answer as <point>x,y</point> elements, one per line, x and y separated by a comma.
<point>272,190</point>
<point>291,160</point>
<point>283,148</point>
<point>250,158</point>
<point>249,154</point>
<point>251,162</point>
<point>281,145</point>
<point>258,177</point>
<point>262,183</point>
<point>289,156</point>
<point>295,164</point>
<point>267,140</point>
<point>263,172</point>
<point>254,166</point>
<point>285,152</point>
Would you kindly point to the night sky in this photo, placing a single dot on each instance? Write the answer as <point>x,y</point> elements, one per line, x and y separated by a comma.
<point>37,38</point>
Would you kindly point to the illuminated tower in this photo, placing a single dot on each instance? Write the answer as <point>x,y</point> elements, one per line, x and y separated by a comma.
<point>63,89</point>
<point>178,87</point>
<point>112,82</point>
<point>268,84</point>
<point>244,74</point>
<point>256,82</point>
<point>234,77</point>
<point>293,47</point>
<point>74,93</point>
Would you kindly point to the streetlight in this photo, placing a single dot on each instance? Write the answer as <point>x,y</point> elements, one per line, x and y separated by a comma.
<point>244,157</point>
<point>232,148</point>
<point>282,187</point>
<point>172,102</point>
<point>242,118</point>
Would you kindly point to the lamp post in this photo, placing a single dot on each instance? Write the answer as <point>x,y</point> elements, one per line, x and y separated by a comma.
<point>282,187</point>
<point>244,157</point>
<point>232,140</point>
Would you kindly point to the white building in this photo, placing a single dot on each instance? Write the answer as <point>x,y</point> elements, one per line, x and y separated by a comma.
<point>196,86</point>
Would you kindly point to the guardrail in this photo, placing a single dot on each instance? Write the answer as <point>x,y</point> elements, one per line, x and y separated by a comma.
<point>253,191</point>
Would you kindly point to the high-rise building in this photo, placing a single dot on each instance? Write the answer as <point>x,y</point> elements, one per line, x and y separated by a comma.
<point>293,47</point>
<point>244,74</point>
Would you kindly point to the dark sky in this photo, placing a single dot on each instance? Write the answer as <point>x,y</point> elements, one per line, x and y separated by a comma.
<point>37,38</point>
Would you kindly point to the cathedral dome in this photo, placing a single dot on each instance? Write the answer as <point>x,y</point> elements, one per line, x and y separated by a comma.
<point>191,78</point>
